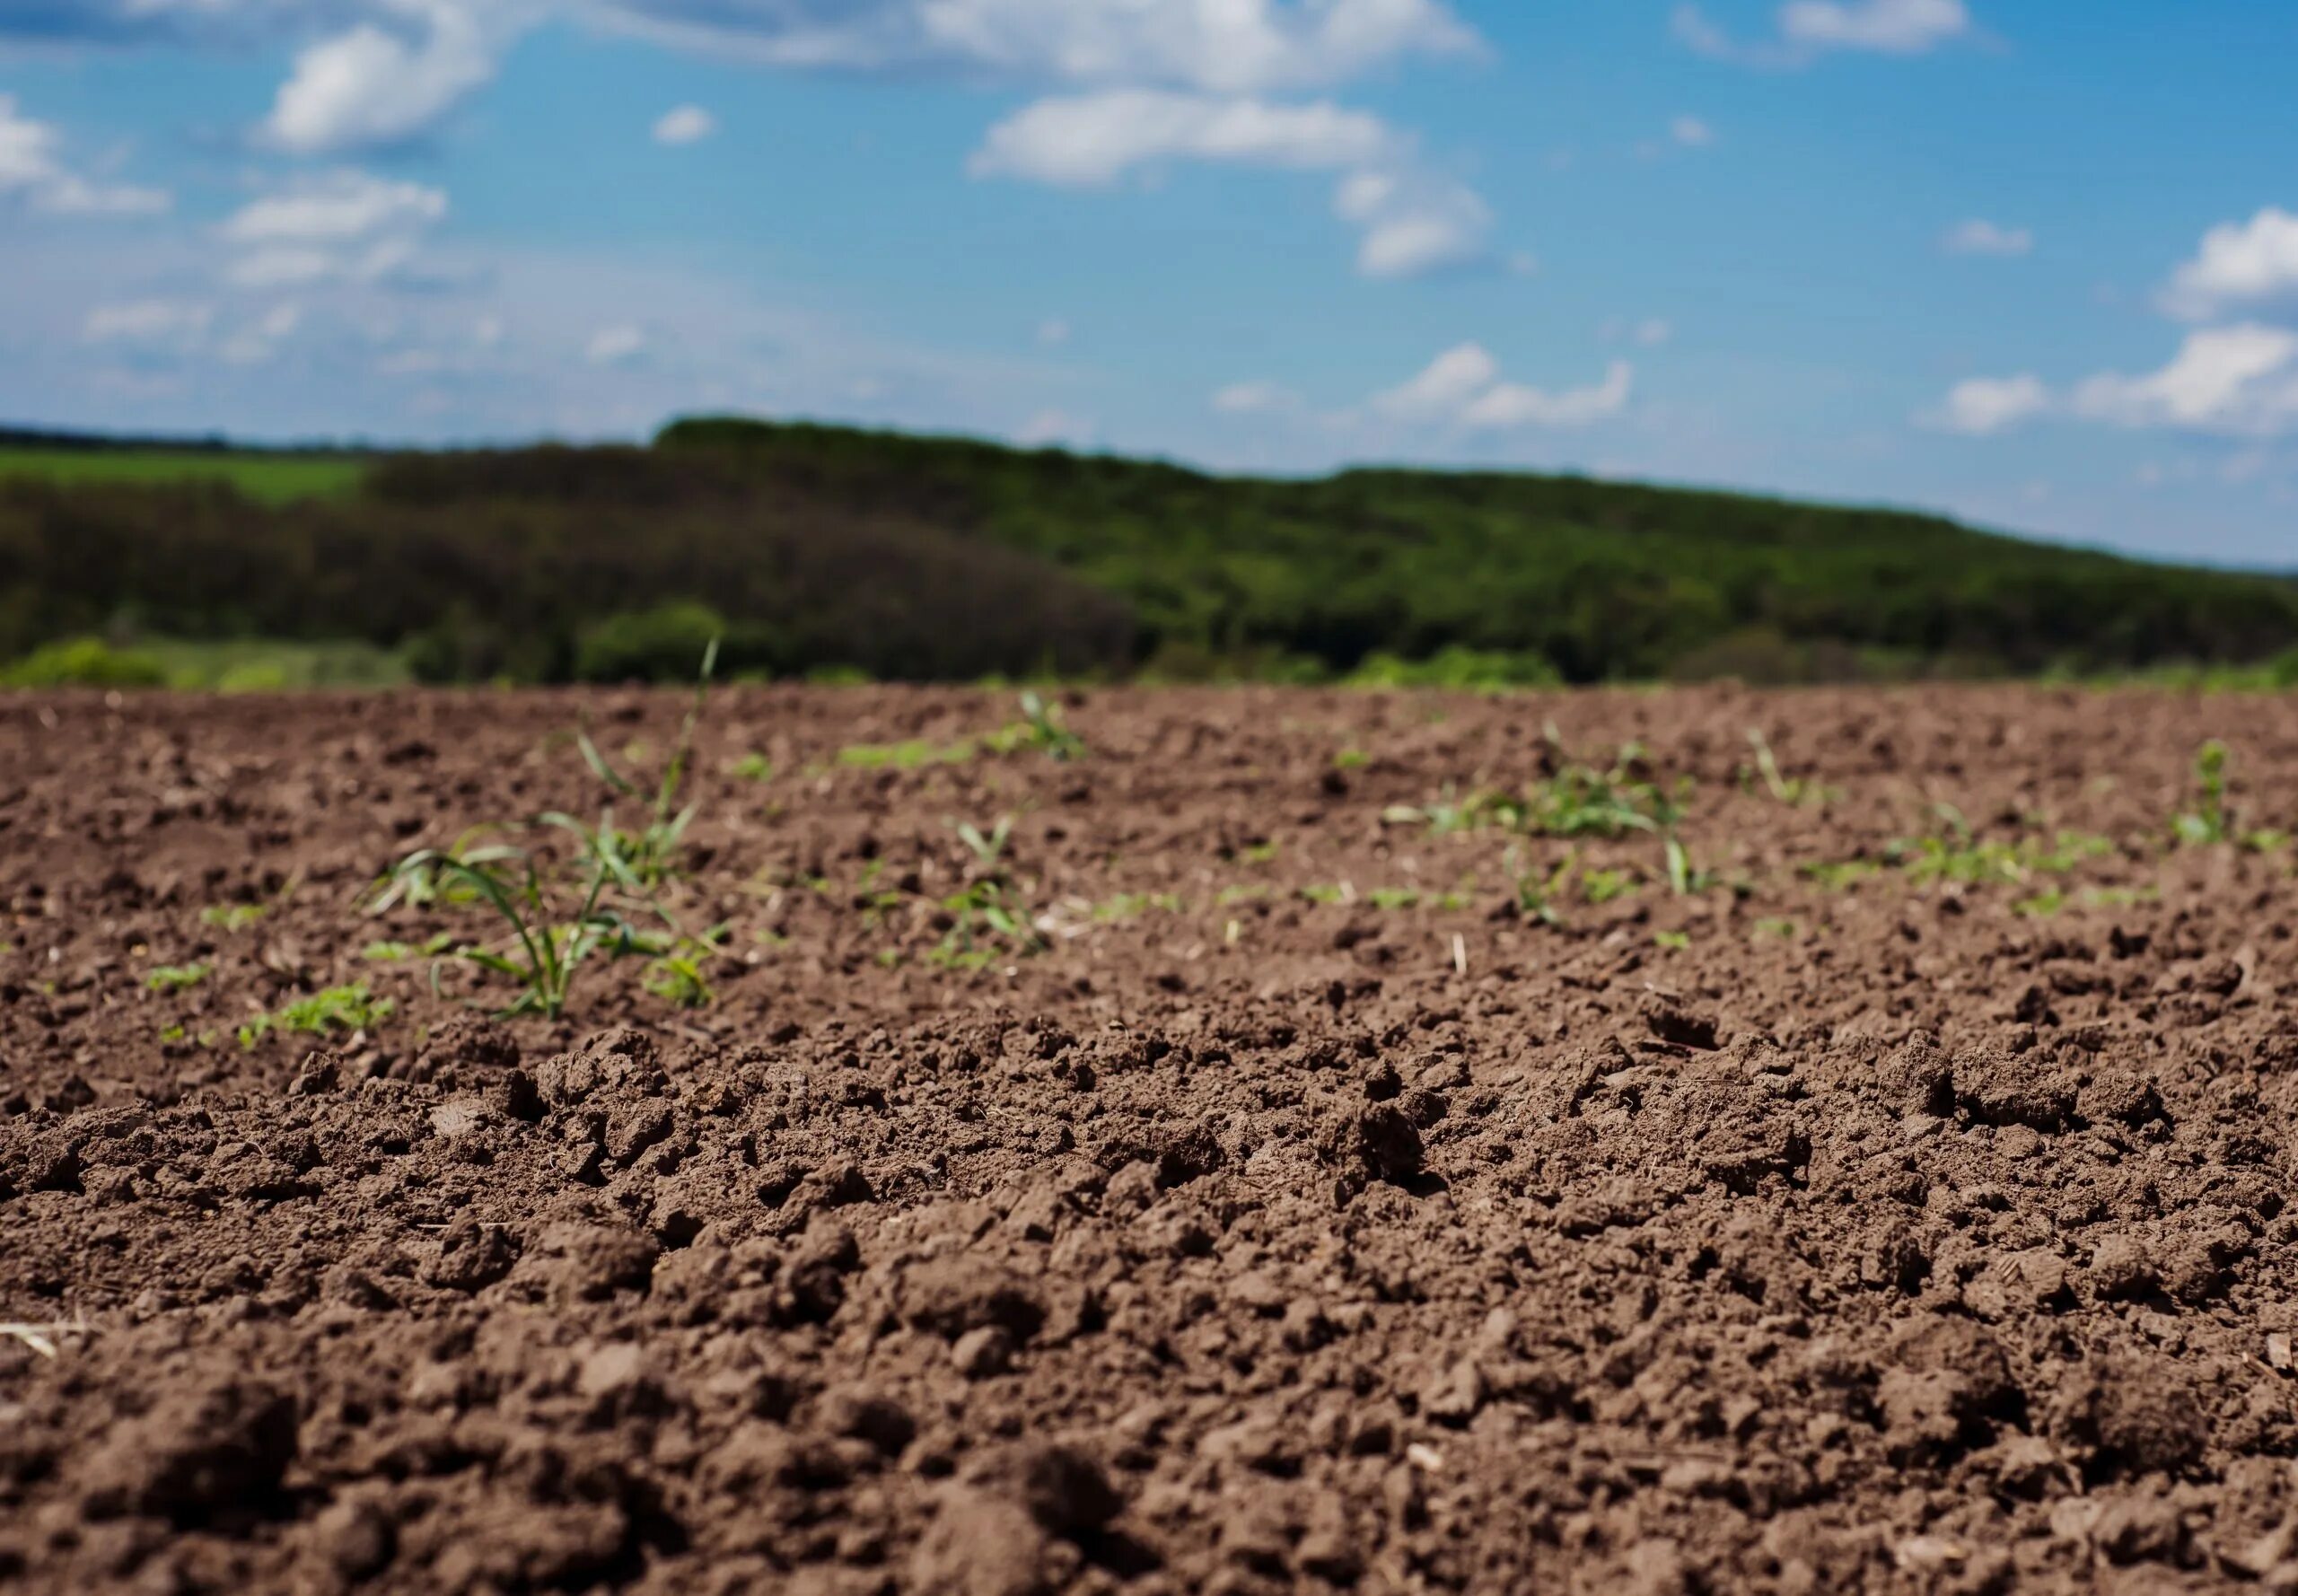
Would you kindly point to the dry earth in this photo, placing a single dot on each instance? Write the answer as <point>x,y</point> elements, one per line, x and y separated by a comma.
<point>1303,1214</point>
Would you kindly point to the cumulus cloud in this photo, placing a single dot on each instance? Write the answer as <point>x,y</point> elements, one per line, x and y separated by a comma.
<point>1979,236</point>
<point>1094,139</point>
<point>2238,264</point>
<point>386,80</point>
<point>1979,405</point>
<point>2240,380</point>
<point>1410,220</point>
<point>1258,397</point>
<point>1047,428</point>
<point>1233,47</point>
<point>147,321</point>
<point>1808,29</point>
<point>1462,387</point>
<point>1413,221</point>
<point>1895,27</point>
<point>615,346</point>
<point>684,125</point>
<point>2233,382</point>
<point>343,225</point>
<point>32,171</point>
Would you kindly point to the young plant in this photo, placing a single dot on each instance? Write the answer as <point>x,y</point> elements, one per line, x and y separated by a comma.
<point>655,852</point>
<point>553,928</point>
<point>990,917</point>
<point>1792,791</point>
<point>1536,894</point>
<point>2208,823</point>
<point>232,917</point>
<point>339,1008</point>
<point>1041,728</point>
<point>176,977</point>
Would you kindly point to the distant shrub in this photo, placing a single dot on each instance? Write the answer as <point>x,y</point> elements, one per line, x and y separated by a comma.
<point>83,661</point>
<point>664,644</point>
<point>1457,667</point>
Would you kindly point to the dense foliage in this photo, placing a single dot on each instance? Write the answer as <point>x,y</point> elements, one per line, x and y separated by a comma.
<point>809,547</point>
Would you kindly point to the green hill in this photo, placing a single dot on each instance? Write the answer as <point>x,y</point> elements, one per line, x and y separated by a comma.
<point>809,547</point>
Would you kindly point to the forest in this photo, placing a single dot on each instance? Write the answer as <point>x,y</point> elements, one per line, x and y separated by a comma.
<point>818,550</point>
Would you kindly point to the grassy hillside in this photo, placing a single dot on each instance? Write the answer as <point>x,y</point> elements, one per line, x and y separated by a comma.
<point>267,476</point>
<point>808,548</point>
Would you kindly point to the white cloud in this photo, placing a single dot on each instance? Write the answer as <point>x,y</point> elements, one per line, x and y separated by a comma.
<point>1094,139</point>
<point>340,207</point>
<point>147,321</point>
<point>1049,427</point>
<point>1979,236</point>
<point>1807,29</point>
<point>2234,381</point>
<point>1414,220</point>
<point>33,170</point>
<point>339,226</point>
<point>1256,398</point>
<point>615,346</point>
<point>2240,380</point>
<point>2238,264</point>
<point>1053,332</point>
<point>1462,387</point>
<point>1895,27</point>
<point>1982,405</point>
<point>1223,47</point>
<point>1691,133</point>
<point>258,341</point>
<point>1411,219</point>
<point>1514,404</point>
<point>684,125</point>
<point>377,84</point>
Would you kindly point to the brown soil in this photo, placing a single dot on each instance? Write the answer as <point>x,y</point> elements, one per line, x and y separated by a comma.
<point>1272,1227</point>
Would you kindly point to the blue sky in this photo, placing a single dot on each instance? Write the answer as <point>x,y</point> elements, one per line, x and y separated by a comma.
<point>2034,262</point>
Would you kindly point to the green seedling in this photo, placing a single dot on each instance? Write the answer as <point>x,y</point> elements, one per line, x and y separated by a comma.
<point>176,977</point>
<point>1674,942</point>
<point>392,953</point>
<point>755,768</point>
<point>232,917</point>
<point>1127,906</point>
<point>987,849</point>
<point>1041,728</point>
<point>1536,894</point>
<point>353,1008</point>
<point>652,854</point>
<point>1351,759</point>
<point>545,947</point>
<point>1840,875</point>
<point>911,755</point>
<point>988,923</point>
<point>2208,823</point>
<point>1603,886</point>
<point>1793,791</point>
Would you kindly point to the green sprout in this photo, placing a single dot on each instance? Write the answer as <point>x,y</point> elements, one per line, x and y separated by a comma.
<point>232,917</point>
<point>1041,728</point>
<point>176,977</point>
<point>2209,821</point>
<point>353,1008</point>
<point>653,853</point>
